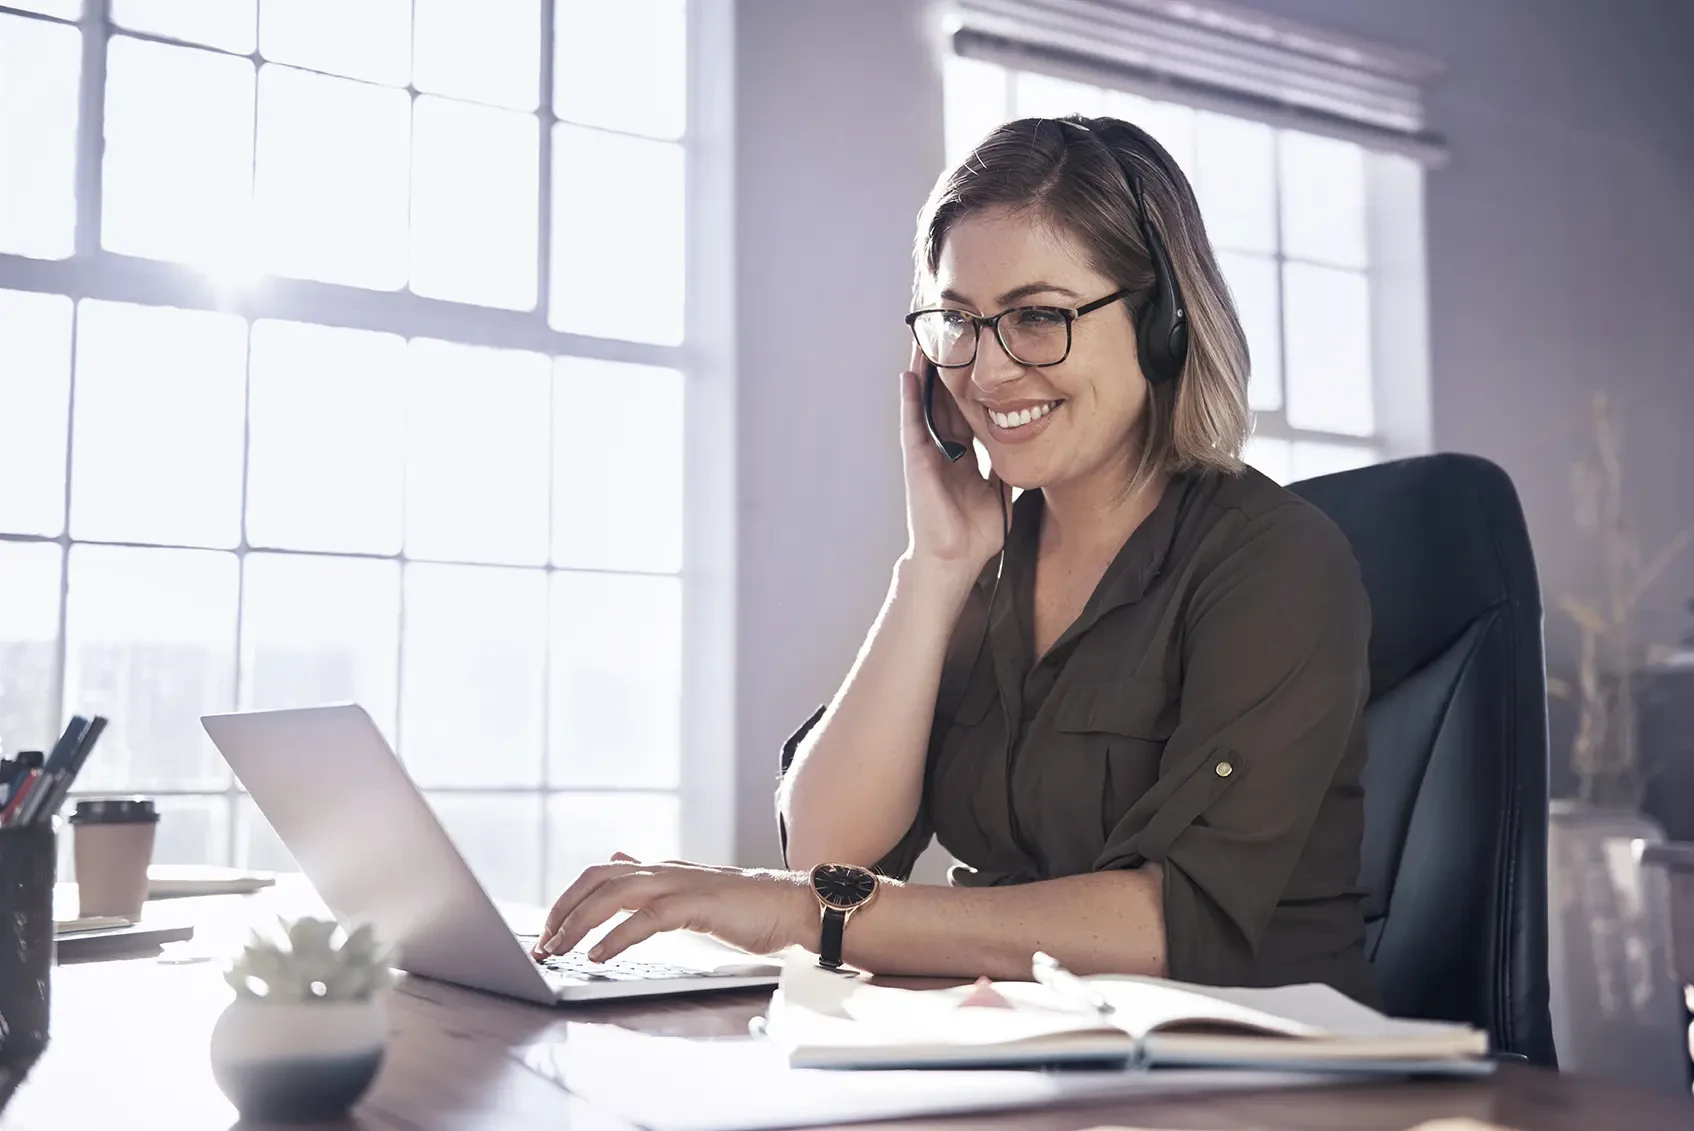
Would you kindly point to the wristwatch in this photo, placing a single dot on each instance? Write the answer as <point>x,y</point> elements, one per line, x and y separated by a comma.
<point>841,889</point>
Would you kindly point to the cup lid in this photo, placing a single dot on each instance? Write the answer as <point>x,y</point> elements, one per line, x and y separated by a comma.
<point>103,810</point>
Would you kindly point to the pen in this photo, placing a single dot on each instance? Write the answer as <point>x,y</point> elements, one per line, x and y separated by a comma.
<point>56,762</point>
<point>19,797</point>
<point>1068,986</point>
<point>54,795</point>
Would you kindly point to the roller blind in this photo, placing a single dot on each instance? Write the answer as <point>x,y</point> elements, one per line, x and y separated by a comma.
<point>1218,56</point>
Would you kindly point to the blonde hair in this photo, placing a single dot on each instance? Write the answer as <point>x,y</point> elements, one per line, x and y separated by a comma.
<point>1074,179</point>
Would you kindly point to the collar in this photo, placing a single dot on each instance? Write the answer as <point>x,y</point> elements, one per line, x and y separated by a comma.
<point>1131,573</point>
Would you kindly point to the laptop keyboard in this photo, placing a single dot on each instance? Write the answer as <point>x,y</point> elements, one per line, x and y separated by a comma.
<point>575,967</point>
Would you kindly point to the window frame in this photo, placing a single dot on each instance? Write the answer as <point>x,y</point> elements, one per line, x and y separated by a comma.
<point>705,785</point>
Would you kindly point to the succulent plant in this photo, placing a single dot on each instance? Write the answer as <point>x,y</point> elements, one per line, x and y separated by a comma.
<point>310,960</point>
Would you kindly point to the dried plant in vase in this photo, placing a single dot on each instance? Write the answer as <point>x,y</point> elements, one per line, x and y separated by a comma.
<point>1606,755</point>
<point>305,1034</point>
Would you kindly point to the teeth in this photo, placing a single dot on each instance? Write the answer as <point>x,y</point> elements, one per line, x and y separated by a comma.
<point>1019,419</point>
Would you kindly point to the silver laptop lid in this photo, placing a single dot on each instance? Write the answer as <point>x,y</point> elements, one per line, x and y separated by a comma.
<point>332,787</point>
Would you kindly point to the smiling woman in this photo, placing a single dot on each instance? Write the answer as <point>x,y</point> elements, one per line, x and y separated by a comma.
<point>1146,757</point>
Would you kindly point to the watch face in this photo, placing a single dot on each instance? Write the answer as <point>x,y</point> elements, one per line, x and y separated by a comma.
<point>843,886</point>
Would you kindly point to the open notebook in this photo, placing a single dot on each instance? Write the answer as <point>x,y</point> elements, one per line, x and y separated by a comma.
<point>826,1020</point>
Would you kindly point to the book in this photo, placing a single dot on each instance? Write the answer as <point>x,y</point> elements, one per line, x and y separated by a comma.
<point>166,881</point>
<point>84,924</point>
<point>822,1019</point>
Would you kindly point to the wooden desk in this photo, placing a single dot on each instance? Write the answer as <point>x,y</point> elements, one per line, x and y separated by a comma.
<point>130,1038</point>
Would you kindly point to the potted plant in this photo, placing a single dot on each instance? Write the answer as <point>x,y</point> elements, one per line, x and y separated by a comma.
<point>1616,1011</point>
<point>305,1034</point>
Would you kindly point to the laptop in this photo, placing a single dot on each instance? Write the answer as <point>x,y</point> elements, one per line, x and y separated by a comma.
<point>332,787</point>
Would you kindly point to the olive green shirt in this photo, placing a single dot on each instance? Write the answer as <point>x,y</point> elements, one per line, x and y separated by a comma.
<point>1202,713</point>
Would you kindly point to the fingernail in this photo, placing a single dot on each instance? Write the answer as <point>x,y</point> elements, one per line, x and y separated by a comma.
<point>552,946</point>
<point>598,954</point>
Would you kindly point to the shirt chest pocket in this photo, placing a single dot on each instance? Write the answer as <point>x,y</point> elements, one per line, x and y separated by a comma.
<point>1116,733</point>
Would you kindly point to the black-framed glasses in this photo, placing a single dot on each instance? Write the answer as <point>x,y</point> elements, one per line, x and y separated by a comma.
<point>1037,336</point>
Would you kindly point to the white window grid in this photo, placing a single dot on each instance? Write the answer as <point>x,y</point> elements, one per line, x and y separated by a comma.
<point>1321,352</point>
<point>522,859</point>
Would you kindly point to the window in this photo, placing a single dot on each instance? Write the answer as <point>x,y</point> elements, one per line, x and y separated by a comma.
<point>1287,214</point>
<point>342,357</point>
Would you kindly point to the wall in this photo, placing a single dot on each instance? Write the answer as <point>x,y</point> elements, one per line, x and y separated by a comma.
<point>838,140</point>
<point>1560,252</point>
<point>1561,259</point>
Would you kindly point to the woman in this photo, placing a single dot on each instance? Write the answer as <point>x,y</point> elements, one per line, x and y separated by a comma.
<point>1146,751</point>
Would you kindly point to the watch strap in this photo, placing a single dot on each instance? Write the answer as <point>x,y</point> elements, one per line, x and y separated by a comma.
<point>829,946</point>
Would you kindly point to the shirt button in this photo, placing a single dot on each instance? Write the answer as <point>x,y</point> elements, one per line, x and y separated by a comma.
<point>1224,769</point>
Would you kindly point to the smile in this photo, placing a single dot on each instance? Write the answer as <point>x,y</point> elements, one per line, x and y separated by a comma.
<point>1014,420</point>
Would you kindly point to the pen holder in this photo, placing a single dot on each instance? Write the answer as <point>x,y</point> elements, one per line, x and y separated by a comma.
<point>28,863</point>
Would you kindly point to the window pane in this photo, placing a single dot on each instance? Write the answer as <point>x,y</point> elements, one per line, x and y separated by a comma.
<point>1042,96</point>
<point>477,454</point>
<point>622,66</point>
<point>586,828</point>
<point>1323,199</point>
<point>471,685</point>
<point>331,178</point>
<point>66,9</point>
<point>363,39</point>
<point>227,24</point>
<point>327,426</point>
<point>617,478</point>
<point>1252,283</point>
<point>179,153</point>
<point>40,63</point>
<point>475,186</point>
<point>617,680</point>
<point>500,838</point>
<point>1270,456</point>
<point>29,635</point>
<point>150,644</point>
<point>617,259</point>
<point>321,630</point>
<point>483,50</point>
<point>1171,125</point>
<point>975,97</point>
<point>1313,458</point>
<point>35,379</point>
<point>191,830</point>
<point>1326,316</point>
<point>256,844</point>
<point>1236,186</point>
<point>158,419</point>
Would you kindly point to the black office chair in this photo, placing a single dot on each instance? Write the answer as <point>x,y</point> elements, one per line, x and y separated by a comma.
<point>1455,852</point>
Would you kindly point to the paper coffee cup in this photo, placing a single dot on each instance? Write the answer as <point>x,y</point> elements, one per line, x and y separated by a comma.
<point>113,841</point>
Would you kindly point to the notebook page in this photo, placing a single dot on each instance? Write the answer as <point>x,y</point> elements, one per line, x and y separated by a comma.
<point>814,1008</point>
<point>1306,1010</point>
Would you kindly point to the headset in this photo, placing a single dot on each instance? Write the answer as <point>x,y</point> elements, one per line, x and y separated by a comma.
<point>1161,325</point>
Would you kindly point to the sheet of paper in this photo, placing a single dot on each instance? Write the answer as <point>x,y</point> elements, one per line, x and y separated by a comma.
<point>743,1084</point>
<point>818,1008</point>
<point>1300,1010</point>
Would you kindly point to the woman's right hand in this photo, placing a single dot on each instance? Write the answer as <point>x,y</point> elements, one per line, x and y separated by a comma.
<point>953,514</point>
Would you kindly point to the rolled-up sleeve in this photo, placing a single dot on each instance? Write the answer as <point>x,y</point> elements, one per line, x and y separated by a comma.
<point>899,861</point>
<point>1275,676</point>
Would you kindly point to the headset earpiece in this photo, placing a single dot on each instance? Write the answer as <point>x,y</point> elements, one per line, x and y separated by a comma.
<point>1161,325</point>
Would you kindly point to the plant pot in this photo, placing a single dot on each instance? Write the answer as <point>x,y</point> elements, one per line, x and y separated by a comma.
<point>297,1062</point>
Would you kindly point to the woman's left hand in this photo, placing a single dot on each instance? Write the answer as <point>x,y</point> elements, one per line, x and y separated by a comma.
<point>758,911</point>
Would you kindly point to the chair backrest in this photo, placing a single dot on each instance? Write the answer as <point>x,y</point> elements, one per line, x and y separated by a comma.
<point>1455,851</point>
